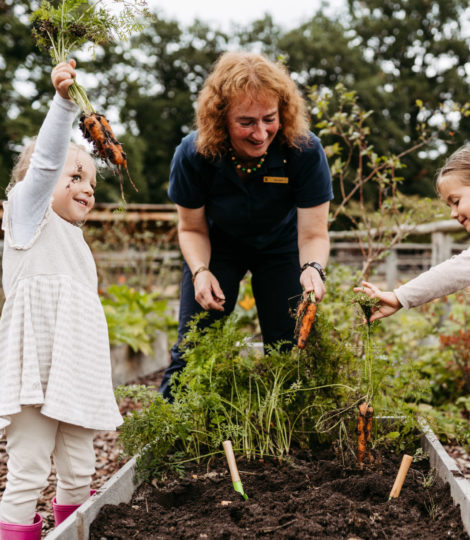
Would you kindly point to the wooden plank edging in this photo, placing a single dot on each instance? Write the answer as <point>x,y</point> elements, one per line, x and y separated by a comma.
<point>448,471</point>
<point>118,489</point>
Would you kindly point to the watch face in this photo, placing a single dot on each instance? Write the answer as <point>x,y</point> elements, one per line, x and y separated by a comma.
<point>319,267</point>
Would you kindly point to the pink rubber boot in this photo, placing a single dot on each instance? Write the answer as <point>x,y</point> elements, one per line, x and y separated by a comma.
<point>14,531</point>
<point>63,511</point>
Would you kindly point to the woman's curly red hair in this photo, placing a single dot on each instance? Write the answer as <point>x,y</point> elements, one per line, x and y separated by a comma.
<point>238,74</point>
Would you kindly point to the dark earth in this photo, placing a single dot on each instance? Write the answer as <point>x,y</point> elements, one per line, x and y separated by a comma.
<point>312,496</point>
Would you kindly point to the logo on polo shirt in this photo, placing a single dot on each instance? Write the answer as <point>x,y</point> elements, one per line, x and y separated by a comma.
<point>276,179</point>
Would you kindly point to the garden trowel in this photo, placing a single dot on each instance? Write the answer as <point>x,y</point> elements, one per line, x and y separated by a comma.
<point>232,465</point>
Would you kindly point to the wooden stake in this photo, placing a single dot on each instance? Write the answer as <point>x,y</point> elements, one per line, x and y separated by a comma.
<point>402,472</point>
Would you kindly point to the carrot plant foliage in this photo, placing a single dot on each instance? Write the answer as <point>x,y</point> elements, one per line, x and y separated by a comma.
<point>267,405</point>
<point>74,23</point>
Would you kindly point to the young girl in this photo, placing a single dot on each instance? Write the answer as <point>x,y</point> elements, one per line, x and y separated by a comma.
<point>55,384</point>
<point>453,185</point>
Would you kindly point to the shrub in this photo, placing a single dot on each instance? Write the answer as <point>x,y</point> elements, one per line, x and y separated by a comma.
<point>133,317</point>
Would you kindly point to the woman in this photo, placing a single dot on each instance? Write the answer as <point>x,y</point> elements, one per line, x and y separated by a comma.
<point>252,189</point>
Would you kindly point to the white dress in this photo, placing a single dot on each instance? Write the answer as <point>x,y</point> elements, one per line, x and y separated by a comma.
<point>54,346</point>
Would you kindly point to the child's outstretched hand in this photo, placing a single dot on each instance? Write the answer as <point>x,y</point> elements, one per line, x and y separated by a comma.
<point>63,76</point>
<point>389,303</point>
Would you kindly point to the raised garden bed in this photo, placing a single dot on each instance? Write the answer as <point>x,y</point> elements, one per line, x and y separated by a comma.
<point>128,365</point>
<point>313,496</point>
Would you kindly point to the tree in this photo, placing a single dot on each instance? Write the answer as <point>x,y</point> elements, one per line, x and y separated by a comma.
<point>153,82</point>
<point>23,83</point>
<point>422,54</point>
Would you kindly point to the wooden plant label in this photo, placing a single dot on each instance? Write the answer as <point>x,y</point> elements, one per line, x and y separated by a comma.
<point>402,472</point>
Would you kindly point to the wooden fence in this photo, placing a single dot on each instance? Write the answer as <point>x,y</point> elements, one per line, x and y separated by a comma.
<point>404,260</point>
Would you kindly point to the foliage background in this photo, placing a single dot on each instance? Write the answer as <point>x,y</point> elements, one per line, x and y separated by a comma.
<point>390,52</point>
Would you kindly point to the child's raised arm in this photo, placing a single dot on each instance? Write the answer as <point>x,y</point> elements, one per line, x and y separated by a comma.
<point>33,193</point>
<point>389,303</point>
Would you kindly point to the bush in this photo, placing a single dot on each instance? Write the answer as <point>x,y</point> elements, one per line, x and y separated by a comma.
<point>133,317</point>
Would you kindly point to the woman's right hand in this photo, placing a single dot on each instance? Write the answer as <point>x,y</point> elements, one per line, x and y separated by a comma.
<point>389,303</point>
<point>207,291</point>
<point>63,76</point>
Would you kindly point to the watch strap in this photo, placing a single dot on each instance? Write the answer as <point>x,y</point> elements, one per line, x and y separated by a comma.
<point>318,267</point>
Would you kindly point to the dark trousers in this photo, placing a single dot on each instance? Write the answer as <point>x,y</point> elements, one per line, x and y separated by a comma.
<point>276,288</point>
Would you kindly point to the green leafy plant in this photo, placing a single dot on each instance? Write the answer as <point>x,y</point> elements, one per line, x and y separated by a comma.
<point>133,317</point>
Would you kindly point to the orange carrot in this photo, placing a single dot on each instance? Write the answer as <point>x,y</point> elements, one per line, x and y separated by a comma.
<point>96,129</point>
<point>302,307</point>
<point>364,428</point>
<point>306,317</point>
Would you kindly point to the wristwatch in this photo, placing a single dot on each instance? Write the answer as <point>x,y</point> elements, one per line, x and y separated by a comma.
<point>318,267</point>
<point>198,271</point>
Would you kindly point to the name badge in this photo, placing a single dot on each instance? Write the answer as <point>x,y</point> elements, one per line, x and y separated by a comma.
<point>276,179</point>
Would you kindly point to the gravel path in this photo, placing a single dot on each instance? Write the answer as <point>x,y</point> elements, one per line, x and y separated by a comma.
<point>108,460</point>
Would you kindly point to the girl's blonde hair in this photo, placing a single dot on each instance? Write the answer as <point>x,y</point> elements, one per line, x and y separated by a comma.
<point>458,162</point>
<point>21,165</point>
<point>237,74</point>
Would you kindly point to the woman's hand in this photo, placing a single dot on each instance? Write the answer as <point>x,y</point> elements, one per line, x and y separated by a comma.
<point>311,281</point>
<point>63,76</point>
<point>207,291</point>
<point>193,235</point>
<point>389,303</point>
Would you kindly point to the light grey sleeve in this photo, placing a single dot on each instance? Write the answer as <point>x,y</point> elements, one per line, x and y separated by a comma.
<point>32,195</point>
<point>445,278</point>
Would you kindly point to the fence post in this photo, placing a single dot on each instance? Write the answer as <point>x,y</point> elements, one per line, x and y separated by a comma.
<point>391,269</point>
<point>441,247</point>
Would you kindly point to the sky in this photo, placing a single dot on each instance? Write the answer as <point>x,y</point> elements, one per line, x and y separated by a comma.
<point>221,13</point>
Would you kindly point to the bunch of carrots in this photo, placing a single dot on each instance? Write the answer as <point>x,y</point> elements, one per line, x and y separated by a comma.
<point>306,311</point>
<point>66,28</point>
<point>96,129</point>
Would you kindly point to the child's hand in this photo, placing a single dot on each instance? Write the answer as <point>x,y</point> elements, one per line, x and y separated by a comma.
<point>63,76</point>
<point>389,303</point>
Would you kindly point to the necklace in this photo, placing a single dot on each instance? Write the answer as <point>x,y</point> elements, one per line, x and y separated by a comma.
<point>243,168</point>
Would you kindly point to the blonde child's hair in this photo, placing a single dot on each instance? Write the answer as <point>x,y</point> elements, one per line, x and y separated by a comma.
<point>458,162</point>
<point>21,165</point>
<point>237,74</point>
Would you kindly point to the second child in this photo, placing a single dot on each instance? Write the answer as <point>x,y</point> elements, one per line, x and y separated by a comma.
<point>453,185</point>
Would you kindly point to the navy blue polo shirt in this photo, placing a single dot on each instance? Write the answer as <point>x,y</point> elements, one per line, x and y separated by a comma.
<point>261,211</point>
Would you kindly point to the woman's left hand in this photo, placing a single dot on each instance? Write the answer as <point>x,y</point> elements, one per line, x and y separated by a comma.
<point>311,281</point>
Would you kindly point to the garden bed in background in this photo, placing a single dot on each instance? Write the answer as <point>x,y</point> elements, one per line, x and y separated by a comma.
<point>312,496</point>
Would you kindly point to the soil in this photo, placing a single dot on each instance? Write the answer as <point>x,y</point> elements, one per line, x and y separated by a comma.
<point>262,482</point>
<point>313,496</point>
